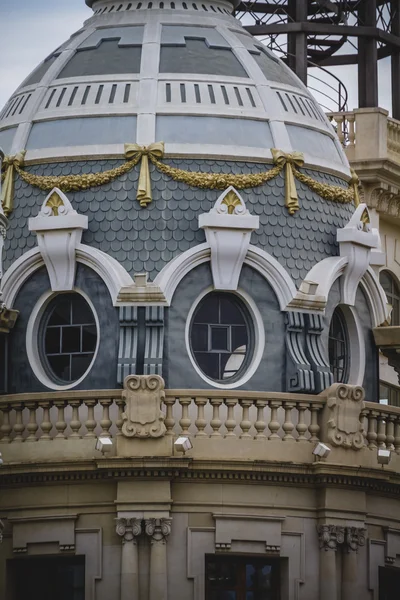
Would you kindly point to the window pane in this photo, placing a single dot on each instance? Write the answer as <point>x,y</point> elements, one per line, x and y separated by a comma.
<point>61,313</point>
<point>200,337</point>
<point>60,366</point>
<point>220,329</point>
<point>80,364</point>
<point>53,340</point>
<point>338,347</point>
<point>219,338</point>
<point>89,338</point>
<point>230,312</point>
<point>71,339</point>
<point>208,310</point>
<point>208,363</point>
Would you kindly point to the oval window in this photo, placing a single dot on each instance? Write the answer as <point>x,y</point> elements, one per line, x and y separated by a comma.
<point>68,338</point>
<point>339,356</point>
<point>221,337</point>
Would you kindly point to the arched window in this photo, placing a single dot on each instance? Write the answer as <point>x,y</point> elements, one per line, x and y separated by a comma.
<point>221,337</point>
<point>392,292</point>
<point>339,352</point>
<point>67,338</point>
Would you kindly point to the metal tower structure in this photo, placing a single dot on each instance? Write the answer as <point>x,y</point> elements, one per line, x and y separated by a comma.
<point>329,33</point>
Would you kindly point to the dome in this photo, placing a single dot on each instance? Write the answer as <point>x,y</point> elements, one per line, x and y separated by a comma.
<point>185,73</point>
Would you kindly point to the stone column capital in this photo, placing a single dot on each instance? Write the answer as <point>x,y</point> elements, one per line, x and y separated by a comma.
<point>330,536</point>
<point>158,529</point>
<point>354,538</point>
<point>129,529</point>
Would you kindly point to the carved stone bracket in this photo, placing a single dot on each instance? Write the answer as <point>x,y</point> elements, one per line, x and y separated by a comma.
<point>158,529</point>
<point>316,353</point>
<point>228,227</point>
<point>299,376</point>
<point>59,231</point>
<point>342,416</point>
<point>143,417</point>
<point>330,536</point>
<point>129,529</point>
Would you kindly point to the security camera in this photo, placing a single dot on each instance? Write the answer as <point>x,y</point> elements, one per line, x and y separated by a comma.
<point>321,450</point>
<point>104,444</point>
<point>183,444</point>
<point>383,456</point>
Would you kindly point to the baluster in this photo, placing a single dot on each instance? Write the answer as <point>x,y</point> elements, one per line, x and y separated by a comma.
<point>185,422</point>
<point>169,417</point>
<point>215,421</point>
<point>314,428</point>
<point>90,423</point>
<point>381,437</point>
<point>352,133</point>
<point>396,441</point>
<point>288,425</point>
<point>260,425</point>
<point>19,427</point>
<point>121,405</point>
<point>340,128</point>
<point>371,433</point>
<point>200,422</point>
<point>390,432</point>
<point>6,427</point>
<point>274,424</point>
<point>32,426</point>
<point>230,422</point>
<point>301,426</point>
<point>75,423</point>
<point>105,422</point>
<point>46,425</point>
<point>245,423</point>
<point>61,425</point>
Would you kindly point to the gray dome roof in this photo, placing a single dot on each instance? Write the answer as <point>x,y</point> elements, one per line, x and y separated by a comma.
<point>185,73</point>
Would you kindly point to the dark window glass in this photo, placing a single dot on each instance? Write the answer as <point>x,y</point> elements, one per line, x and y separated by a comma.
<point>46,578</point>
<point>242,578</point>
<point>389,394</point>
<point>389,583</point>
<point>221,336</point>
<point>69,337</point>
<point>339,357</point>
<point>392,292</point>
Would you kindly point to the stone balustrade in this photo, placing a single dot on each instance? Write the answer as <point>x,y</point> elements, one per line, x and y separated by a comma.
<point>368,134</point>
<point>233,425</point>
<point>382,426</point>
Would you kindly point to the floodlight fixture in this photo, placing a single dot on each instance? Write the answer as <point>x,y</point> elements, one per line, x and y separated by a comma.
<point>104,444</point>
<point>383,456</point>
<point>321,450</point>
<point>183,444</point>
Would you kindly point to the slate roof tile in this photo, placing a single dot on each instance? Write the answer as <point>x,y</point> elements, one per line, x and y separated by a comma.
<point>147,238</point>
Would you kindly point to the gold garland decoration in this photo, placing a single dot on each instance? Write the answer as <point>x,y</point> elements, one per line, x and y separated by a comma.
<point>220,181</point>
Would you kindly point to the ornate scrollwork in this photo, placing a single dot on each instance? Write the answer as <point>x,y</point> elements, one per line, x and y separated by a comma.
<point>158,529</point>
<point>345,404</point>
<point>330,536</point>
<point>143,417</point>
<point>354,538</point>
<point>129,529</point>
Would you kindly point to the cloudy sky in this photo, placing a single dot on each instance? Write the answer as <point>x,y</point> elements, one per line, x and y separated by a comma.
<point>31,29</point>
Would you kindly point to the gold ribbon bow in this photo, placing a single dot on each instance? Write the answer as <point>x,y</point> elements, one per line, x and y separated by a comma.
<point>287,161</point>
<point>154,151</point>
<point>354,183</point>
<point>10,164</point>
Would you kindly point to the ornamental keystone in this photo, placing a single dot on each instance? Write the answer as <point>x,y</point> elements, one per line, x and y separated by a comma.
<point>143,417</point>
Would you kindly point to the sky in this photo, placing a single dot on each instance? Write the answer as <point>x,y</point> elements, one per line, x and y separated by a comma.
<point>31,29</point>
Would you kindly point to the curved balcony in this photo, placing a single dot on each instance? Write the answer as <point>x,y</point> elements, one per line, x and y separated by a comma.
<point>228,429</point>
